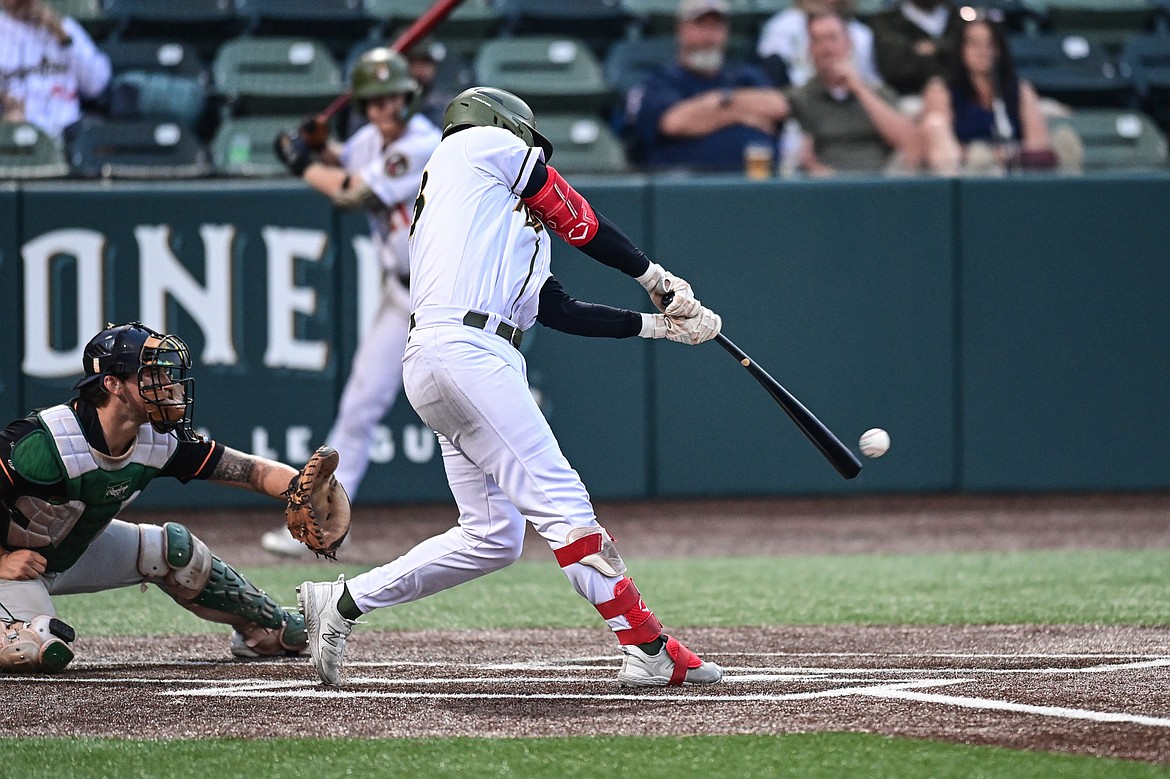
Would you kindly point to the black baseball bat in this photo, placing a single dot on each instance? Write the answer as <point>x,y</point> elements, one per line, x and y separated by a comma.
<point>838,455</point>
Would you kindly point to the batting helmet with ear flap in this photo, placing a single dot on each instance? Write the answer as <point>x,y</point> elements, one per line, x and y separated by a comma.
<point>160,364</point>
<point>382,72</point>
<point>491,107</point>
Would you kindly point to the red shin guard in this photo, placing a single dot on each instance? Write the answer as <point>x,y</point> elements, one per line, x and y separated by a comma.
<point>627,602</point>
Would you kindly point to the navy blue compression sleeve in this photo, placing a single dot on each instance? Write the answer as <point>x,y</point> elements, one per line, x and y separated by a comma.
<point>560,312</point>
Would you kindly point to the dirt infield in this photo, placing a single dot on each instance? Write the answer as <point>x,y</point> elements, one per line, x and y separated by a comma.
<point>1086,690</point>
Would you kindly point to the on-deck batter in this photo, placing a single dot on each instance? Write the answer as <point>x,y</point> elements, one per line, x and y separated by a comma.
<point>480,248</point>
<point>377,171</point>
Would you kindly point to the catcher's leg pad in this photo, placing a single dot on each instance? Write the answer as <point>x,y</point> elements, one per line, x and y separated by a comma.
<point>40,645</point>
<point>591,546</point>
<point>290,638</point>
<point>184,568</point>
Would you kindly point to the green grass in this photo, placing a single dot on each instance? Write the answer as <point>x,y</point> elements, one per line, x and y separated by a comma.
<point>810,756</point>
<point>1113,587</point>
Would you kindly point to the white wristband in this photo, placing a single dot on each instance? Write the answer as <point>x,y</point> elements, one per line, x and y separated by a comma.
<point>651,327</point>
<point>653,275</point>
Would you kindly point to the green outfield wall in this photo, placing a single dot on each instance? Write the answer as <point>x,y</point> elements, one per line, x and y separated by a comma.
<point>1010,334</point>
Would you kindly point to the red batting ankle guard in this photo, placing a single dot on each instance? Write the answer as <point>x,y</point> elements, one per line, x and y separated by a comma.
<point>684,660</point>
<point>627,602</point>
<point>564,210</point>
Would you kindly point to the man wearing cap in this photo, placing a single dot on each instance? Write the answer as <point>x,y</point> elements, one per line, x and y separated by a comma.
<point>68,471</point>
<point>700,113</point>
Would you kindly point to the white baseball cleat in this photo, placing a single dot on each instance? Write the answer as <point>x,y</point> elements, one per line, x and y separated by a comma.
<point>327,629</point>
<point>673,665</point>
<point>279,542</point>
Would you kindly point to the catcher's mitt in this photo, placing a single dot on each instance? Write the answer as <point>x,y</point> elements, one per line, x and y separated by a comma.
<point>318,509</point>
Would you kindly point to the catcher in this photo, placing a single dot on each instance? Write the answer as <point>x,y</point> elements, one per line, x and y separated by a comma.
<point>67,471</point>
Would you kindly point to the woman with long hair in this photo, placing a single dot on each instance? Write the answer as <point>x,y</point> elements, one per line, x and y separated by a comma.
<point>984,117</point>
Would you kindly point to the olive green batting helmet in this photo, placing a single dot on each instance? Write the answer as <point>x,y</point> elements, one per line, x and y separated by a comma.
<point>491,107</point>
<point>380,72</point>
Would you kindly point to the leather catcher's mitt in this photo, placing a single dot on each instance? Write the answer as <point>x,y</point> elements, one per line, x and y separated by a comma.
<point>318,509</point>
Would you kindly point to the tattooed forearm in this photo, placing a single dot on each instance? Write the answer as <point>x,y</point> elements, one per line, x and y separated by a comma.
<point>234,468</point>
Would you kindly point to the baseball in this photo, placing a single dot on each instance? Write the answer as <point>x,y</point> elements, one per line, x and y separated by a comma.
<point>874,442</point>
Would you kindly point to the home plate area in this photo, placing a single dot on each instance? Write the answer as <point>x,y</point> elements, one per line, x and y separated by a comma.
<point>1099,691</point>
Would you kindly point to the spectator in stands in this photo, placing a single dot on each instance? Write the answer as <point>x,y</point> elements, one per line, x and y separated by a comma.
<point>783,44</point>
<point>850,122</point>
<point>913,41</point>
<point>47,65</point>
<point>701,113</point>
<point>984,117</point>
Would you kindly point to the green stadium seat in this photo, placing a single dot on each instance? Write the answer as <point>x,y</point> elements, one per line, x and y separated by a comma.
<point>158,80</point>
<point>1148,59</point>
<point>27,152</point>
<point>583,143</point>
<point>551,73</point>
<point>1107,21</point>
<point>658,17</point>
<point>204,23</point>
<point>242,145</point>
<point>136,150</point>
<point>597,22</point>
<point>1073,69</point>
<point>338,23</point>
<point>279,75</point>
<point>1117,139</point>
<point>89,14</point>
<point>629,62</point>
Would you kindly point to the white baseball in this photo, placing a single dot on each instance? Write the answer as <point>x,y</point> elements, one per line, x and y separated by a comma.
<point>874,442</point>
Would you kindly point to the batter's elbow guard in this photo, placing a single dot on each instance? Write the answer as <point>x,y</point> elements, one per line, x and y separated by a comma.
<point>566,212</point>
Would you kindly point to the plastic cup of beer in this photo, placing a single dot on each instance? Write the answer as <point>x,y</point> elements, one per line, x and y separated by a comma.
<point>759,160</point>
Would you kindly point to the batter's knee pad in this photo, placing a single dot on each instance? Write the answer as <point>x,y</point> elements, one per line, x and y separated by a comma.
<point>591,546</point>
<point>40,645</point>
<point>184,568</point>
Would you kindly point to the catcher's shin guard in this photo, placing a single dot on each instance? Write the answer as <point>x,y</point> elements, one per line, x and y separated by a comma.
<point>183,567</point>
<point>40,645</point>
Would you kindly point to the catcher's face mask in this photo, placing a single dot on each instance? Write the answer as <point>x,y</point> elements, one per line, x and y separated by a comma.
<point>165,386</point>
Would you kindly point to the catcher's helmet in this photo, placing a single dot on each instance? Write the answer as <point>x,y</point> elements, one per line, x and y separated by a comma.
<point>160,363</point>
<point>381,72</point>
<point>491,107</point>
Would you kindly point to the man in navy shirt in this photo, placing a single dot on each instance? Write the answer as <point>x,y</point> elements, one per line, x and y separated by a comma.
<point>699,113</point>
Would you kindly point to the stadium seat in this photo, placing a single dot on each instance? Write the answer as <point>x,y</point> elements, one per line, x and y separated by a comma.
<point>338,23</point>
<point>203,23</point>
<point>1148,59</point>
<point>157,80</point>
<point>1116,139</point>
<point>551,73</point>
<point>658,17</point>
<point>583,144</point>
<point>136,150</point>
<point>27,152</point>
<point>597,22</point>
<point>1073,69</point>
<point>1106,21</point>
<point>631,61</point>
<point>242,145</point>
<point>468,26</point>
<point>276,75</point>
<point>88,13</point>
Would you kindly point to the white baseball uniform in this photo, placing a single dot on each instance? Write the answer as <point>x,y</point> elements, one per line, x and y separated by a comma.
<point>392,172</point>
<point>47,77</point>
<point>476,247</point>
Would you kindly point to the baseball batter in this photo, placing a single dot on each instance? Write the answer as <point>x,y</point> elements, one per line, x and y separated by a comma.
<point>480,247</point>
<point>66,472</point>
<point>377,171</point>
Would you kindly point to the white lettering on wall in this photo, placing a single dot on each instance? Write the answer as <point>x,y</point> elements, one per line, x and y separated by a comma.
<point>285,246</point>
<point>86,248</point>
<point>162,274</point>
<point>418,443</point>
